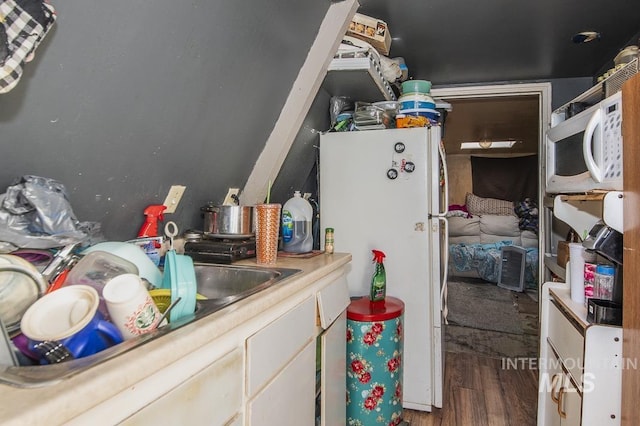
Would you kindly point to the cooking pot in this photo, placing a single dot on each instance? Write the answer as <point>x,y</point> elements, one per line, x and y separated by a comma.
<point>228,221</point>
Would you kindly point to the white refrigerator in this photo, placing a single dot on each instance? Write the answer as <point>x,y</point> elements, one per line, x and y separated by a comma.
<point>386,190</point>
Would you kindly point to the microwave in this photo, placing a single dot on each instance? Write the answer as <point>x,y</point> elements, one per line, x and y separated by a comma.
<point>584,152</point>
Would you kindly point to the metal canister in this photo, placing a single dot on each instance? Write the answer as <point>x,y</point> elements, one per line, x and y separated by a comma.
<point>374,361</point>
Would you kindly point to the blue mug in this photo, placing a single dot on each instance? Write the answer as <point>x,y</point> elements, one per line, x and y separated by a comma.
<point>69,316</point>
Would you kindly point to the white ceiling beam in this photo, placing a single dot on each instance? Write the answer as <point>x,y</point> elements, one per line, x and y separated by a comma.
<point>300,98</point>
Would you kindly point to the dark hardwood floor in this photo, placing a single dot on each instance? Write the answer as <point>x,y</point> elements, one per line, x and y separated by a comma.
<point>479,390</point>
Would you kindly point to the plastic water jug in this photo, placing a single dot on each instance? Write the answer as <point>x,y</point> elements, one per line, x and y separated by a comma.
<point>296,225</point>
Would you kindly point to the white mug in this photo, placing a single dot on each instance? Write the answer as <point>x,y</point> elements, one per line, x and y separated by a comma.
<point>130,306</point>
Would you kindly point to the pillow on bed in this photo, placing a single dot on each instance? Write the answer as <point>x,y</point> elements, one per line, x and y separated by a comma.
<point>478,205</point>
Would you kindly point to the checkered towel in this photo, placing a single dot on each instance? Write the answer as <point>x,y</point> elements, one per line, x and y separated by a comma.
<point>20,34</point>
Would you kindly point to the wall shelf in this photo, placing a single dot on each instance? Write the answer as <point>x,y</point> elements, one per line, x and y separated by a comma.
<point>358,78</point>
<point>551,263</point>
<point>583,211</point>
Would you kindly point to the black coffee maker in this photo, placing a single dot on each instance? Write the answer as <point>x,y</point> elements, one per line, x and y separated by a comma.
<point>607,242</point>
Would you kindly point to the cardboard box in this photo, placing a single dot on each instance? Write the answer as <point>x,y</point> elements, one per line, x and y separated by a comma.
<point>372,30</point>
<point>563,253</point>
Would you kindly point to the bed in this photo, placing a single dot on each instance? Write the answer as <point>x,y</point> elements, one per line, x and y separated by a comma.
<point>480,228</point>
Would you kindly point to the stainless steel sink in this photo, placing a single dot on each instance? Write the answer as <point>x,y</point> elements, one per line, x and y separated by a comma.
<point>222,285</point>
<point>231,283</point>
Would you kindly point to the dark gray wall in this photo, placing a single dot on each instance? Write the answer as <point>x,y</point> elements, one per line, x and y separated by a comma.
<point>296,171</point>
<point>565,89</point>
<point>125,99</point>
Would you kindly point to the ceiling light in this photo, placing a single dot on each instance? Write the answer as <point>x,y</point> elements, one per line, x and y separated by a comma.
<point>486,144</point>
<point>586,37</point>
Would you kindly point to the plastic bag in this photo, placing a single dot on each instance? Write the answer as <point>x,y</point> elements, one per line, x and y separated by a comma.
<point>340,112</point>
<point>35,213</point>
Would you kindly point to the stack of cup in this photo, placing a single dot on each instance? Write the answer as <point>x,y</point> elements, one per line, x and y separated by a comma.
<point>576,272</point>
<point>589,274</point>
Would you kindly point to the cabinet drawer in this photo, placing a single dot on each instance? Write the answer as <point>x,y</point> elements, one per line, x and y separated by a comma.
<point>213,396</point>
<point>567,341</point>
<point>276,344</point>
<point>332,301</point>
<point>288,400</point>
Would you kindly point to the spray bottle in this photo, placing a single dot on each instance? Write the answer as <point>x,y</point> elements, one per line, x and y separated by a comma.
<point>153,214</point>
<point>148,239</point>
<point>379,279</point>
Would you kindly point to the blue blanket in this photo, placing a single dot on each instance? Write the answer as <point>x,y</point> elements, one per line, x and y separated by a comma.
<point>485,260</point>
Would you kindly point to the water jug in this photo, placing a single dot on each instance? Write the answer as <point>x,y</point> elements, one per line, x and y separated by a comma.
<point>297,234</point>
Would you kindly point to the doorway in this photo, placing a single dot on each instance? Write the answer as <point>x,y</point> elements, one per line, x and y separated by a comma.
<point>501,112</point>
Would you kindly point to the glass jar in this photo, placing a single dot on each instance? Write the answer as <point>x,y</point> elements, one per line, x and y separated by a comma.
<point>604,281</point>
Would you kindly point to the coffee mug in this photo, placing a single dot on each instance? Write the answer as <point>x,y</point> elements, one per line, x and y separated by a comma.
<point>130,305</point>
<point>69,316</point>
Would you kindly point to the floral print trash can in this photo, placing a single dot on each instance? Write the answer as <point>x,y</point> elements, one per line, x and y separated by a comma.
<point>374,362</point>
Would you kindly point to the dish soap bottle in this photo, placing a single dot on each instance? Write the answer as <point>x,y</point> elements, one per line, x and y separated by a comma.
<point>297,236</point>
<point>379,279</point>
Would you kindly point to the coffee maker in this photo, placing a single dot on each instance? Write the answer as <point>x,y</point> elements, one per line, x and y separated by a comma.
<point>607,242</point>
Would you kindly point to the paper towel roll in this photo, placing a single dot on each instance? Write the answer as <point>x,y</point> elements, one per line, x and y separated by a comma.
<point>576,274</point>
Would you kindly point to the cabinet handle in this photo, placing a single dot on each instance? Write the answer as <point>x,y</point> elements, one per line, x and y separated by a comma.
<point>554,391</point>
<point>561,411</point>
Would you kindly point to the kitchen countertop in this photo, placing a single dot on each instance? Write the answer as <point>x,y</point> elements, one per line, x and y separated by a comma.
<point>60,402</point>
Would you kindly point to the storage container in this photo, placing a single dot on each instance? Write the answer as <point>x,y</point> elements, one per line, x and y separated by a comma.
<point>372,30</point>
<point>416,86</point>
<point>604,282</point>
<point>374,362</point>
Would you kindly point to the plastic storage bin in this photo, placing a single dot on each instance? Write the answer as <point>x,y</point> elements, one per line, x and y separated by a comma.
<point>374,362</point>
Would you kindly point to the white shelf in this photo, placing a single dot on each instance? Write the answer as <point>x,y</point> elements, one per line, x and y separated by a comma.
<point>613,207</point>
<point>359,78</point>
<point>551,263</point>
<point>582,212</point>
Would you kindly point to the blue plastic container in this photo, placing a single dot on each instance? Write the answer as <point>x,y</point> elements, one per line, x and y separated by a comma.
<point>417,104</point>
<point>424,112</point>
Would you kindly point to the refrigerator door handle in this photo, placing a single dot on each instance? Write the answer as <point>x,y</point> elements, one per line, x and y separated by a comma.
<point>445,275</point>
<point>445,172</point>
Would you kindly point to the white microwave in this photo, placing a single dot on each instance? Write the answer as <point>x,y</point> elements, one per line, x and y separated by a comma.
<point>584,152</point>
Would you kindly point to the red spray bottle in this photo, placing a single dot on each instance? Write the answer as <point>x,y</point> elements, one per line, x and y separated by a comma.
<point>153,214</point>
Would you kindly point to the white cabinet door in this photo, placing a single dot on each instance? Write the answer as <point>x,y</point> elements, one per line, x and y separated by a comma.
<point>333,376</point>
<point>570,404</point>
<point>289,399</point>
<point>273,346</point>
<point>213,396</point>
<point>550,382</point>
